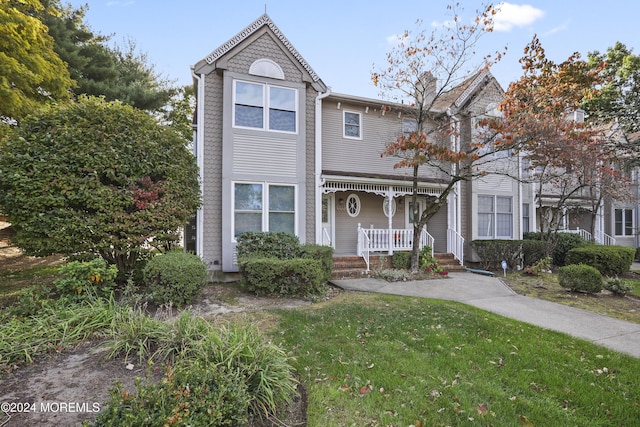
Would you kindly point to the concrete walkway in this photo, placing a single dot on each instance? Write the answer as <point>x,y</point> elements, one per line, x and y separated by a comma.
<point>491,294</point>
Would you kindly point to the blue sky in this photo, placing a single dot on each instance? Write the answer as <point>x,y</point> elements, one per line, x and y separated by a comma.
<point>342,41</point>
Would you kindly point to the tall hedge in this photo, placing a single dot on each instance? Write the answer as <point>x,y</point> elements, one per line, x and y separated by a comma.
<point>493,252</point>
<point>259,244</point>
<point>608,260</point>
<point>275,263</point>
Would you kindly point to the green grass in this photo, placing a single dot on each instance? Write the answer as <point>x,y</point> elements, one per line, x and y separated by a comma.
<point>636,285</point>
<point>384,360</point>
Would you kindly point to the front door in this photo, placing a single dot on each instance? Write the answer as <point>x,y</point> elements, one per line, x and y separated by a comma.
<point>409,212</point>
<point>328,237</point>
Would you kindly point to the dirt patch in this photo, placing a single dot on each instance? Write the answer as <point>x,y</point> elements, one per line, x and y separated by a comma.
<point>65,389</point>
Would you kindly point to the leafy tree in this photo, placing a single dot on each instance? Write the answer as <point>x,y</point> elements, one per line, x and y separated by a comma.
<point>31,73</point>
<point>619,98</point>
<point>115,72</point>
<point>420,71</point>
<point>179,112</point>
<point>96,177</point>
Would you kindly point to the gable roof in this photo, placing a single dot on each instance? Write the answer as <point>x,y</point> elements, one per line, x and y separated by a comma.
<point>262,21</point>
<point>458,96</point>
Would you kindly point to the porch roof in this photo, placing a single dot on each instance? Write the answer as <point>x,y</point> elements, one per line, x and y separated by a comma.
<point>378,185</point>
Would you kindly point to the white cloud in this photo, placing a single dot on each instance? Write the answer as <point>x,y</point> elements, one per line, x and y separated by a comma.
<point>515,15</point>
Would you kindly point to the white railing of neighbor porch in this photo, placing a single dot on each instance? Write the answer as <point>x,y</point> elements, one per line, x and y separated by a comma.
<point>604,239</point>
<point>455,244</point>
<point>583,233</point>
<point>601,237</point>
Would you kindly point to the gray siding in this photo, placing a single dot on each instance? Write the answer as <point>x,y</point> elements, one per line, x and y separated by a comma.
<point>362,155</point>
<point>253,155</point>
<point>212,173</point>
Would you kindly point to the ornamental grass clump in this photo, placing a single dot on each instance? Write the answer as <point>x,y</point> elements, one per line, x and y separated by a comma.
<point>618,286</point>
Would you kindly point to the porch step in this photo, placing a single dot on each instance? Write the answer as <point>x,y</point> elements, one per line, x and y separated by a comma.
<point>449,262</point>
<point>349,267</point>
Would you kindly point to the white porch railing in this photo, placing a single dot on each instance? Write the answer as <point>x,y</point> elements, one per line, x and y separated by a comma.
<point>583,233</point>
<point>364,244</point>
<point>379,240</point>
<point>604,239</point>
<point>455,244</point>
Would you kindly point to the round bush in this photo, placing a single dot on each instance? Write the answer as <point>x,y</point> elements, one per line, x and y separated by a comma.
<point>580,277</point>
<point>175,277</point>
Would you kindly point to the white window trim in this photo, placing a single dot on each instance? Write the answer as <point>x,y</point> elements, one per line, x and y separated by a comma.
<point>265,204</point>
<point>344,124</point>
<point>358,205</point>
<point>265,107</point>
<point>624,223</point>
<point>495,217</point>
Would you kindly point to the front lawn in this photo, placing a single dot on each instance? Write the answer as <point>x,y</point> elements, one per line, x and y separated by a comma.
<point>377,360</point>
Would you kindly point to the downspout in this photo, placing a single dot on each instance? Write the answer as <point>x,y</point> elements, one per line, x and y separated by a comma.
<point>456,221</point>
<point>520,233</point>
<point>318,165</point>
<point>199,152</point>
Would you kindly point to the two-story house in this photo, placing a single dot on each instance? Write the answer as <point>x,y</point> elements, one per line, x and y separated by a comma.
<point>278,151</point>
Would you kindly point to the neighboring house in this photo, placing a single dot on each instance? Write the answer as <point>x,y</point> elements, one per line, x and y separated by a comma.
<point>581,201</point>
<point>278,151</point>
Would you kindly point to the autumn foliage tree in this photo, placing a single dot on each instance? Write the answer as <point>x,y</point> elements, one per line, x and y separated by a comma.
<point>568,158</point>
<point>97,177</point>
<point>419,72</point>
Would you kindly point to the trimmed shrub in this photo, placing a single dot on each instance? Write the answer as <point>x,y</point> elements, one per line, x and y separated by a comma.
<point>191,393</point>
<point>580,277</point>
<point>175,277</point>
<point>492,252</point>
<point>290,277</point>
<point>618,286</point>
<point>608,260</point>
<point>322,253</point>
<point>268,245</point>
<point>401,260</point>
<point>558,245</point>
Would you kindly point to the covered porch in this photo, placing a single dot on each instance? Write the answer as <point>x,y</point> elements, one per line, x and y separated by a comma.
<point>363,217</point>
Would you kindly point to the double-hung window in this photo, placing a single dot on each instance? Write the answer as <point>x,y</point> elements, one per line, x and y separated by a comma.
<point>495,217</point>
<point>266,107</point>
<point>624,222</point>
<point>352,125</point>
<point>263,207</point>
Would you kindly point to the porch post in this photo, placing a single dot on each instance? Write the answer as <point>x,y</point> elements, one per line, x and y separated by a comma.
<point>390,219</point>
